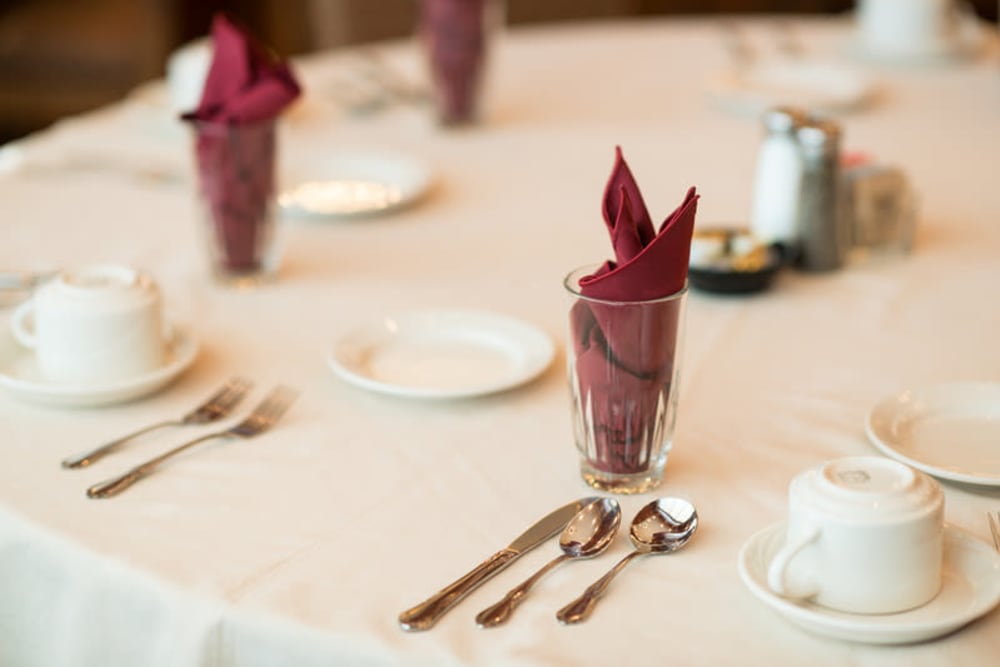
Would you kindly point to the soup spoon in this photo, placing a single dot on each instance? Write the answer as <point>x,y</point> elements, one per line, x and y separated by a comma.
<point>587,534</point>
<point>662,526</point>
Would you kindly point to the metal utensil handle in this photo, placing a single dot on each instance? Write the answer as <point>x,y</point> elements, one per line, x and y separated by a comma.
<point>426,614</point>
<point>118,484</point>
<point>501,611</point>
<point>84,460</point>
<point>579,610</point>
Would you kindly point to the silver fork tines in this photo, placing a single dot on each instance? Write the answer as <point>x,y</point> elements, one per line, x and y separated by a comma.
<point>994,520</point>
<point>217,406</point>
<point>264,416</point>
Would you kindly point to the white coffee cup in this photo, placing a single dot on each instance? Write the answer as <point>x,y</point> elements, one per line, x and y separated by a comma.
<point>96,324</point>
<point>865,535</point>
<point>907,27</point>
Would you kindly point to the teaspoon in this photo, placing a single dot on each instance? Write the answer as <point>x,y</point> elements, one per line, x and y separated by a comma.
<point>587,534</point>
<point>662,526</point>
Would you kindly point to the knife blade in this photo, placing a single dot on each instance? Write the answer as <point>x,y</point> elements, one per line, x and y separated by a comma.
<point>424,615</point>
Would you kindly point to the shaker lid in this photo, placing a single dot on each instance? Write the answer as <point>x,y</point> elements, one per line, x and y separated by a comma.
<point>818,134</point>
<point>783,119</point>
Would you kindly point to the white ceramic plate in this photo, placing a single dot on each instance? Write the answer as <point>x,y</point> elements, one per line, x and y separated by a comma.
<point>813,84</point>
<point>951,431</point>
<point>970,588</point>
<point>966,44</point>
<point>19,376</point>
<point>442,354</point>
<point>351,185</point>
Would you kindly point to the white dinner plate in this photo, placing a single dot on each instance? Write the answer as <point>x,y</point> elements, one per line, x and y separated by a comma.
<point>19,376</point>
<point>951,431</point>
<point>353,184</point>
<point>442,354</point>
<point>970,587</point>
<point>813,84</point>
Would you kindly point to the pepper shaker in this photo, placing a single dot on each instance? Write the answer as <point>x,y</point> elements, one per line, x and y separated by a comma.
<point>824,237</point>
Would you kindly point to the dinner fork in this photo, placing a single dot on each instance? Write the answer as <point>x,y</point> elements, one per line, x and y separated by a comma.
<point>994,520</point>
<point>264,416</point>
<point>217,406</point>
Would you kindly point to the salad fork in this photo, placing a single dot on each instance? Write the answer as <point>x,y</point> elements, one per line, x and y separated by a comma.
<point>217,406</point>
<point>994,520</point>
<point>264,416</point>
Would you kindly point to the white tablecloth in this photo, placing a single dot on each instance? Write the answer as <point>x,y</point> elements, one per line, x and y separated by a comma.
<point>302,546</point>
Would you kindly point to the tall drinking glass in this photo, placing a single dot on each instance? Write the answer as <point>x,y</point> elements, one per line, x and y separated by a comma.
<point>624,366</point>
<point>236,196</point>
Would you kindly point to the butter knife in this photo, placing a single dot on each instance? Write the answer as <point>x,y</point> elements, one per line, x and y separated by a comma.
<point>426,614</point>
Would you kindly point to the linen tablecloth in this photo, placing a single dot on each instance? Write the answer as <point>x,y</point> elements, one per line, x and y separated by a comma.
<point>302,546</point>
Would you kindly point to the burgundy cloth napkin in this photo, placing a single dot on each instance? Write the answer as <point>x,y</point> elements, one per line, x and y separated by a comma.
<point>245,82</point>
<point>625,355</point>
<point>245,90</point>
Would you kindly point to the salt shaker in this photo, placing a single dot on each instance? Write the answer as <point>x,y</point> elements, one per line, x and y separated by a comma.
<point>774,211</point>
<point>824,238</point>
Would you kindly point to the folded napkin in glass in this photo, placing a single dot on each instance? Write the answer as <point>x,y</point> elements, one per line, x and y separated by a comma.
<point>625,325</point>
<point>235,146</point>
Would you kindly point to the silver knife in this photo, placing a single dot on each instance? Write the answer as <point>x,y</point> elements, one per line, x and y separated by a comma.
<point>426,614</point>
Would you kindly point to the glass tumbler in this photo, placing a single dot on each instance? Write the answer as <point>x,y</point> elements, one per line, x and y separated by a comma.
<point>456,37</point>
<point>623,361</point>
<point>235,164</point>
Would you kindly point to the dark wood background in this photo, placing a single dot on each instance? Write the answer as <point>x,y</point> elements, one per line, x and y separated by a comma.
<point>60,57</point>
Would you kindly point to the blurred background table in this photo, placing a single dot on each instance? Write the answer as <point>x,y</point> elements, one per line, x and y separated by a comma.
<point>302,546</point>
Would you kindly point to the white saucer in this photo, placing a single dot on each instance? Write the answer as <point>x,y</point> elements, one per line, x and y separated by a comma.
<point>442,354</point>
<point>20,377</point>
<point>813,84</point>
<point>351,185</point>
<point>970,588</point>
<point>951,431</point>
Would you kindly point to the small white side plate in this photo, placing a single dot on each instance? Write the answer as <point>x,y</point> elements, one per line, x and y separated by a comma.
<point>951,431</point>
<point>814,84</point>
<point>352,185</point>
<point>970,588</point>
<point>20,377</point>
<point>442,354</point>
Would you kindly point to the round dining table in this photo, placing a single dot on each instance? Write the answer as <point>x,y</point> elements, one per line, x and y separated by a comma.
<point>301,546</point>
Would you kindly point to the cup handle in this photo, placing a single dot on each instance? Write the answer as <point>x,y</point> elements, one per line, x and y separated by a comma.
<point>779,567</point>
<point>24,335</point>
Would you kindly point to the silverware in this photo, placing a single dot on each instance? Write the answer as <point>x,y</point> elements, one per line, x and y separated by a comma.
<point>662,526</point>
<point>374,84</point>
<point>786,40</point>
<point>398,86</point>
<point>588,534</point>
<point>263,417</point>
<point>993,518</point>
<point>427,613</point>
<point>217,406</point>
<point>736,44</point>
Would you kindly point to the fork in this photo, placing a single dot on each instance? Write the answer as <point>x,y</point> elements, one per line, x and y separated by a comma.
<point>264,416</point>
<point>994,520</point>
<point>217,406</point>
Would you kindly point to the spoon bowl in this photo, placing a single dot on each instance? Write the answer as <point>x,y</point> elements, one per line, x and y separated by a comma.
<point>660,527</point>
<point>663,525</point>
<point>592,530</point>
<point>587,534</point>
